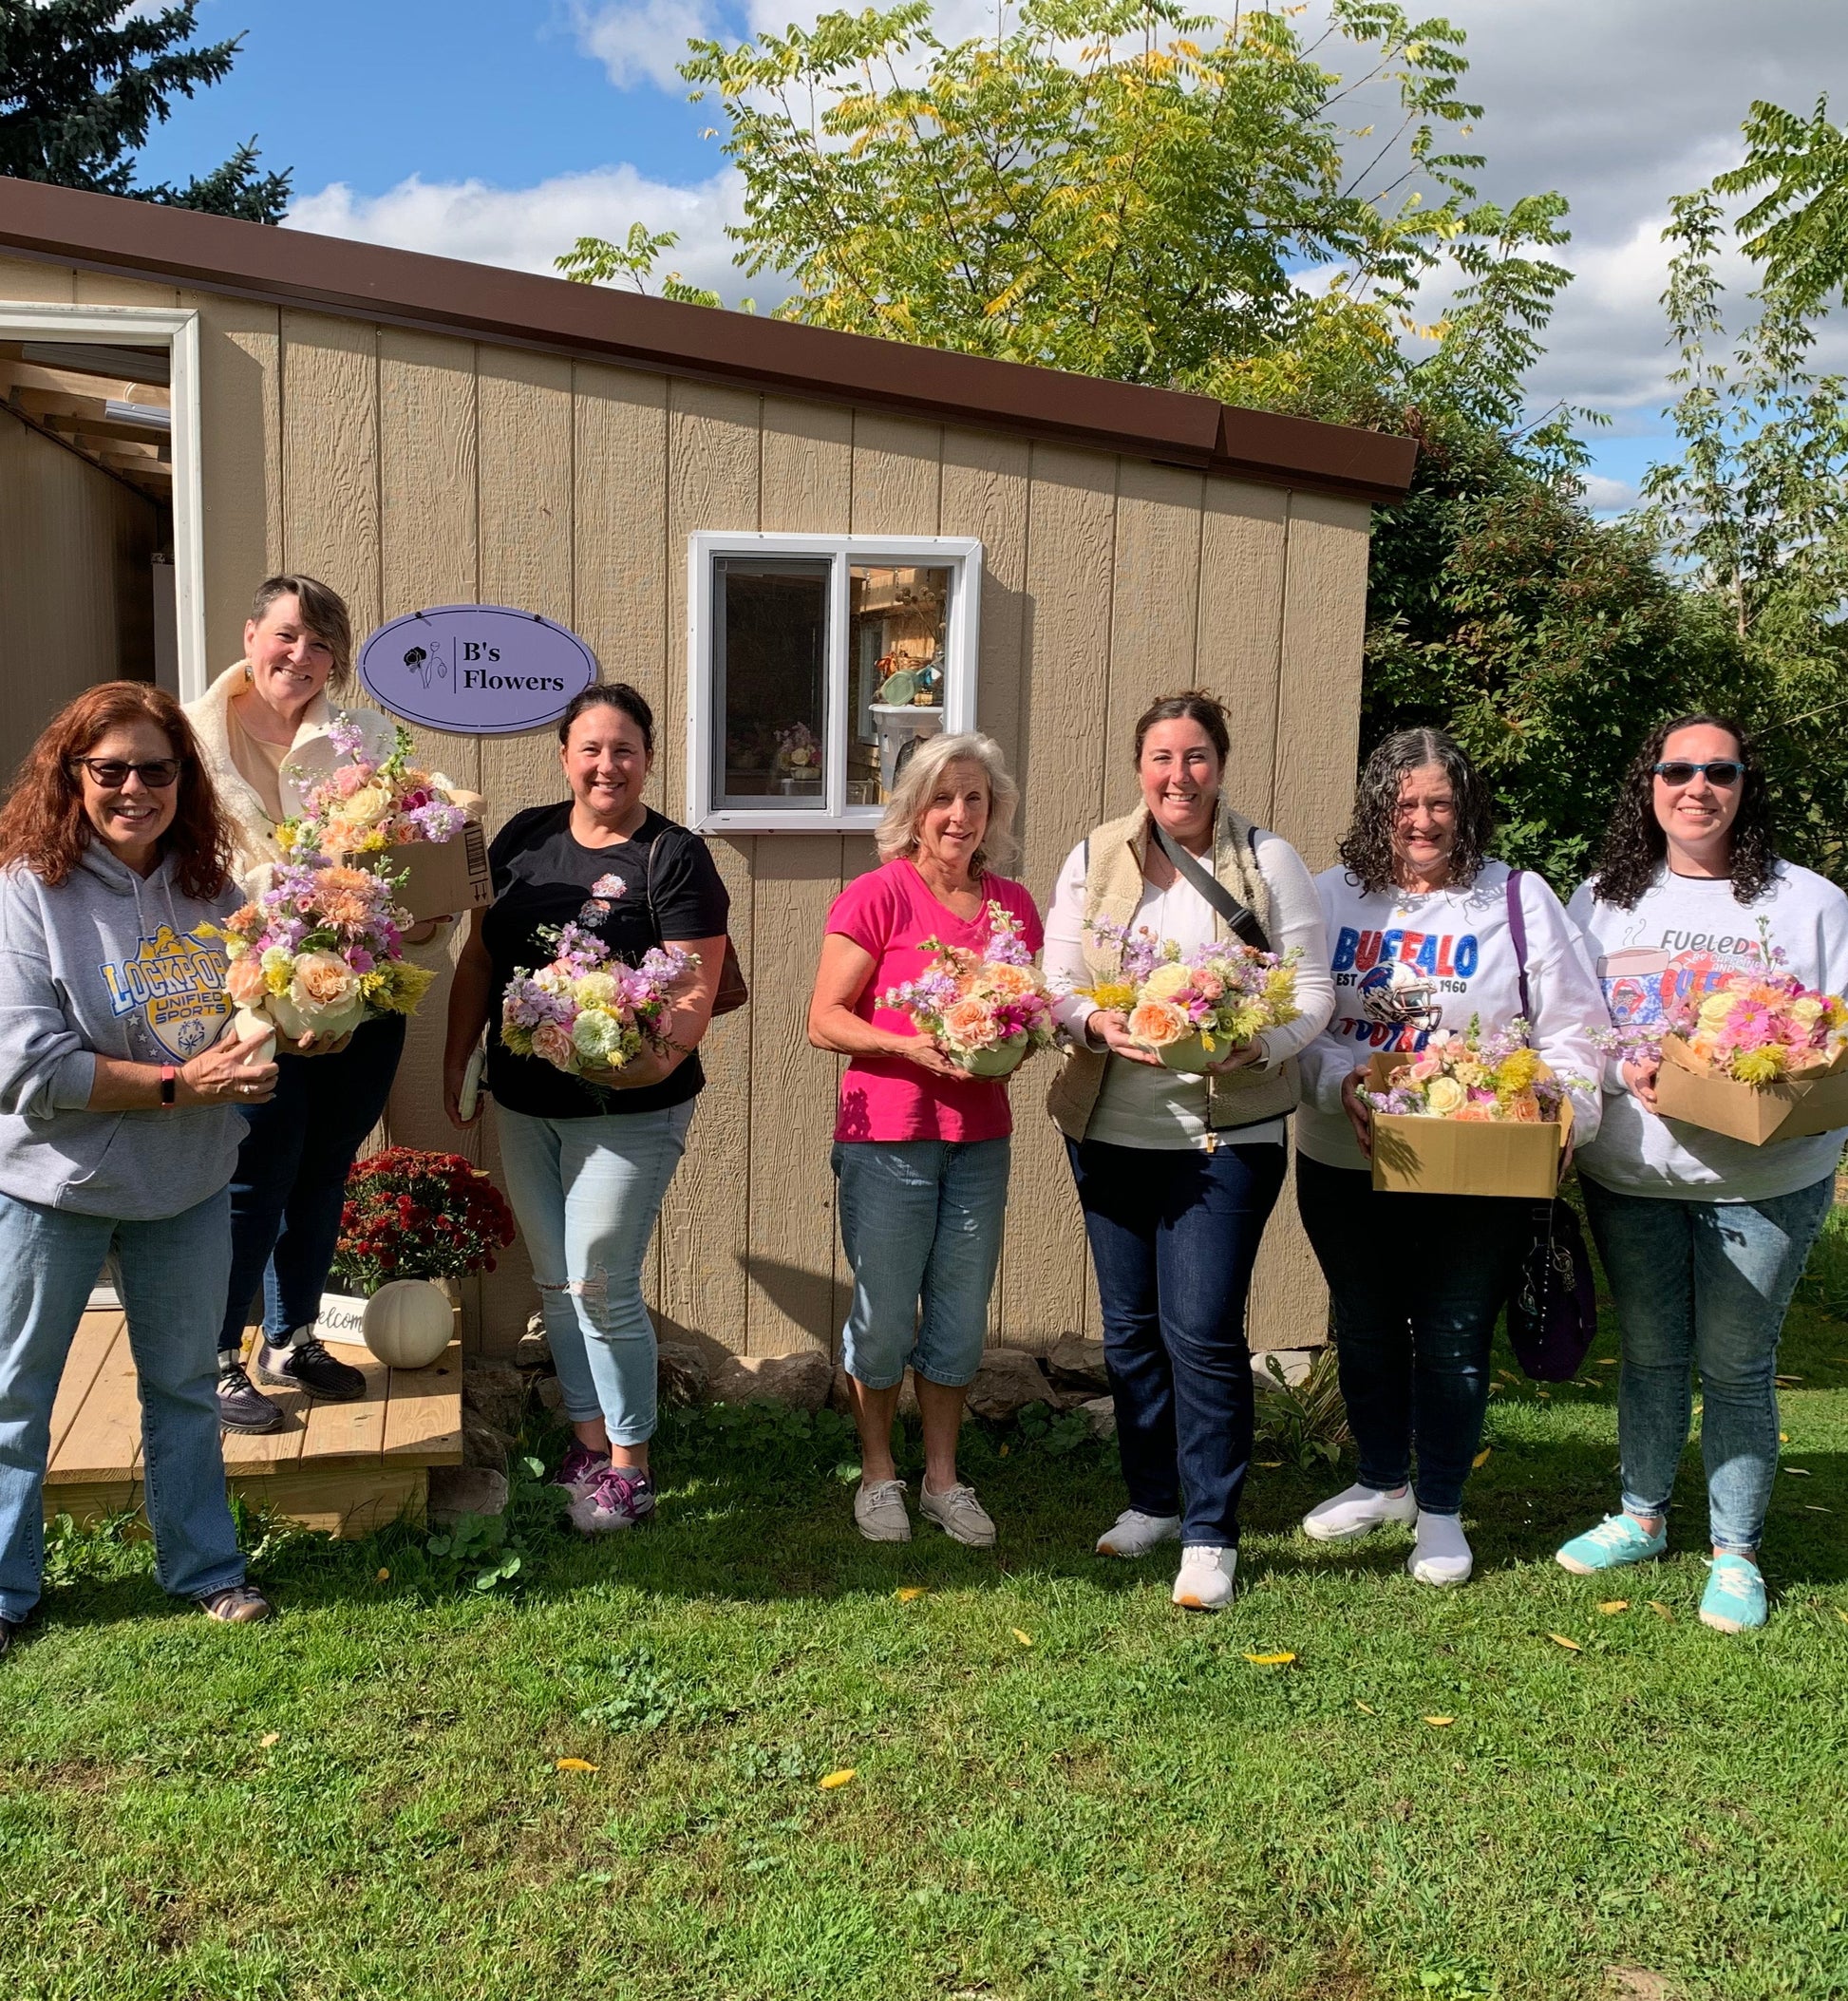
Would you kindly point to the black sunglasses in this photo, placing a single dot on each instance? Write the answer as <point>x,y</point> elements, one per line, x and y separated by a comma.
<point>1725,772</point>
<point>112,772</point>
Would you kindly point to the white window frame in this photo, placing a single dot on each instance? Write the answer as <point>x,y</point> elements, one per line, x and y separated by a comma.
<point>960,554</point>
<point>144,327</point>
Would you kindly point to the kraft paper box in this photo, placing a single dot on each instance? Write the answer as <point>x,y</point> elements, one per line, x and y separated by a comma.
<point>1757,1113</point>
<point>442,879</point>
<point>1440,1157</point>
<point>341,1318</point>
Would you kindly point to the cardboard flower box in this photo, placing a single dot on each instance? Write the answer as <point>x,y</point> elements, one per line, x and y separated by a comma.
<point>442,879</point>
<point>1797,1108</point>
<point>1452,1156</point>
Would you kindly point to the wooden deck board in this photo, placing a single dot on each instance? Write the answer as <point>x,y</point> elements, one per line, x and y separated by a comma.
<point>102,1441</point>
<point>356,1430</point>
<point>97,1334</point>
<point>423,1422</point>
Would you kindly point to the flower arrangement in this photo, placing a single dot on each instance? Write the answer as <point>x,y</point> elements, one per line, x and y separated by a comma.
<point>987,1011</point>
<point>319,949</point>
<point>798,747</point>
<point>1755,1028</point>
<point>415,1215</point>
<point>1474,1077</point>
<point>362,808</point>
<point>586,1010</point>
<point>1193,1009</point>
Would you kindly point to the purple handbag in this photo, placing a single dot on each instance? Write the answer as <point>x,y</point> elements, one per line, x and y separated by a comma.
<point>1553,1308</point>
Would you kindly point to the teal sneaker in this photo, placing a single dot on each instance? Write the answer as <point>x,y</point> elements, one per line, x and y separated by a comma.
<point>1616,1540</point>
<point>1734,1598</point>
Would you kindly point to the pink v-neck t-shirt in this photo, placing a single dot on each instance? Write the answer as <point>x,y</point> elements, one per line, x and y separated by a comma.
<point>890,913</point>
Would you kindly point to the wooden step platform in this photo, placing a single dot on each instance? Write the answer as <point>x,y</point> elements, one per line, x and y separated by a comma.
<point>343,1468</point>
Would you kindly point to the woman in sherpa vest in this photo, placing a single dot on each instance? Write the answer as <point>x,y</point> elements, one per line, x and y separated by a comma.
<point>1178,1174</point>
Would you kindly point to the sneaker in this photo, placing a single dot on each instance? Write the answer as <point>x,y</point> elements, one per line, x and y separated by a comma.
<point>578,1469</point>
<point>879,1511</point>
<point>242,1407</point>
<point>1133,1533</point>
<point>1734,1598</point>
<point>959,1515</point>
<point>306,1364</point>
<point>1441,1554</point>
<point>7,1631</point>
<point>1357,1511</point>
<point>1616,1540</point>
<point>236,1605</point>
<point>1205,1580</point>
<point>618,1497</point>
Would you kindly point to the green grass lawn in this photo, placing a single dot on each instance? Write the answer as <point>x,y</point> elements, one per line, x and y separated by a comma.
<point>1062,1785</point>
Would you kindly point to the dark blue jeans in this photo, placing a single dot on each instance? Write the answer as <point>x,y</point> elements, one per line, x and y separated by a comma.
<point>1418,1282</point>
<point>291,1180</point>
<point>1174,1236</point>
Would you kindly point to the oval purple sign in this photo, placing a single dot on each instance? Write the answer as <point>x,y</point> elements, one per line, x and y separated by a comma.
<point>475,669</point>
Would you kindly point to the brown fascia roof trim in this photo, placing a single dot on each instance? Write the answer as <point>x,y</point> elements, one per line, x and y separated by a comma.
<point>517,308</point>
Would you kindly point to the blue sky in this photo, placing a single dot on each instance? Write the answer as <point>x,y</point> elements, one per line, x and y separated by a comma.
<point>500,130</point>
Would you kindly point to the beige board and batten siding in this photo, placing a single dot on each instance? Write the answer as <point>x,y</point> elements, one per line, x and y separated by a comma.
<point>408,469</point>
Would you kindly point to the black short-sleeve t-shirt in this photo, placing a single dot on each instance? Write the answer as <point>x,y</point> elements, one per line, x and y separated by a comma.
<point>543,878</point>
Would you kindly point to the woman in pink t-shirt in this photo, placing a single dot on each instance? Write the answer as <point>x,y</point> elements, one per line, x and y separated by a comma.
<point>920,1147</point>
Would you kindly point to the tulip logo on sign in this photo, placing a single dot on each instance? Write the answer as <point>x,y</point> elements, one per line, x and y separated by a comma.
<point>476,669</point>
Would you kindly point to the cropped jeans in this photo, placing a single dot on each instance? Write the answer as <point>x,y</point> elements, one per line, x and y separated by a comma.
<point>921,1222</point>
<point>586,1193</point>
<point>172,1276</point>
<point>1703,1286</point>
<point>1174,1235</point>
<point>1417,1283</point>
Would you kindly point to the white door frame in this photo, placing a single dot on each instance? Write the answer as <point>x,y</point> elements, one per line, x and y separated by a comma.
<point>143,327</point>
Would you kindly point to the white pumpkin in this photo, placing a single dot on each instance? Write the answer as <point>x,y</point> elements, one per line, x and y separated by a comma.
<point>408,1323</point>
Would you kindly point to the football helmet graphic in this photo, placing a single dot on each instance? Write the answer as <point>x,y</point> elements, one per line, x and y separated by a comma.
<point>1399,995</point>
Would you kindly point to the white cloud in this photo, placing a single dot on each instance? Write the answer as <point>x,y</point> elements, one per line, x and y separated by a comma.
<point>642,43</point>
<point>1606,496</point>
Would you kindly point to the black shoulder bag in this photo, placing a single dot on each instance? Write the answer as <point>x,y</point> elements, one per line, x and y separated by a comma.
<point>731,992</point>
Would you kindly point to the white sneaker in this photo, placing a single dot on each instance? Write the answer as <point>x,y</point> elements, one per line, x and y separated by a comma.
<point>1357,1511</point>
<point>1133,1533</point>
<point>879,1511</point>
<point>1205,1580</point>
<point>1441,1554</point>
<point>959,1515</point>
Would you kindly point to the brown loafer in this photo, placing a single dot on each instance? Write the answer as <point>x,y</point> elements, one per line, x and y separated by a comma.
<point>238,1605</point>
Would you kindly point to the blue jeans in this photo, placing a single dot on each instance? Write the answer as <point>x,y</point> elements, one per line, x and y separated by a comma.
<point>921,1222</point>
<point>586,1193</point>
<point>291,1180</point>
<point>1703,1285</point>
<point>1174,1236</point>
<point>172,1279</point>
<point>1417,1283</point>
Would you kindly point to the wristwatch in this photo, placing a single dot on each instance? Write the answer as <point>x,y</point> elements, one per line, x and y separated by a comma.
<point>167,1075</point>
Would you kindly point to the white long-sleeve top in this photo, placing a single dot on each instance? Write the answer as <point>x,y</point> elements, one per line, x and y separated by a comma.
<point>1405,965</point>
<point>1140,1105</point>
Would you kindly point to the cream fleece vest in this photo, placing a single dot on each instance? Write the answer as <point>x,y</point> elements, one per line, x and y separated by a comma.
<point>1113,886</point>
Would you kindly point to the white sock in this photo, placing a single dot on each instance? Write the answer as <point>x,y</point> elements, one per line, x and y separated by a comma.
<point>1442,1554</point>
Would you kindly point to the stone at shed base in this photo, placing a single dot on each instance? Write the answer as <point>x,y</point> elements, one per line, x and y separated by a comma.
<point>1294,1362</point>
<point>552,1395</point>
<point>840,1397</point>
<point>801,1381</point>
<point>495,1394</point>
<point>1100,1414</point>
<point>681,1374</point>
<point>484,1445</point>
<point>1078,1364</point>
<point>1008,1381</point>
<point>532,1350</point>
<point>456,1491</point>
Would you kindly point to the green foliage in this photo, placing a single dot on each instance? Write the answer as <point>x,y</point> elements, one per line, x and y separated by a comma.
<point>1799,229</point>
<point>83,81</point>
<point>592,260</point>
<point>1306,1423</point>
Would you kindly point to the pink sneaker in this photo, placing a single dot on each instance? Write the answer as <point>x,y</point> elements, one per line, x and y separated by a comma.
<point>578,1468</point>
<point>617,1497</point>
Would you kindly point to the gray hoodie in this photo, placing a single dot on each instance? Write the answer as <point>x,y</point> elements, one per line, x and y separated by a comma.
<point>109,964</point>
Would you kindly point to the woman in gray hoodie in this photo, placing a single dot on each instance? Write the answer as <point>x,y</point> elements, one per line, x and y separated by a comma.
<point>118,1127</point>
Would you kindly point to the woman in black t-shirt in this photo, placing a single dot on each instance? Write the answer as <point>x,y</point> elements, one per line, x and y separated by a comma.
<point>588,1162</point>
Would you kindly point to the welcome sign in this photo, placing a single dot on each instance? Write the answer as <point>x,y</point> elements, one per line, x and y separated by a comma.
<point>475,669</point>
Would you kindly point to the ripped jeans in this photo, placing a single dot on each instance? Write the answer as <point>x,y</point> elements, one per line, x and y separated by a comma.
<point>586,1193</point>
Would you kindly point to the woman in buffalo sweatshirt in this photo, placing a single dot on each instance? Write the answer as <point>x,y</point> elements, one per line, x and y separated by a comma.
<point>118,1131</point>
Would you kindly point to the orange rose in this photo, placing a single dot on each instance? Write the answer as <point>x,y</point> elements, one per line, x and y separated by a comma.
<point>1473,1115</point>
<point>1155,1024</point>
<point>1011,982</point>
<point>969,1025</point>
<point>1523,1109</point>
<point>245,982</point>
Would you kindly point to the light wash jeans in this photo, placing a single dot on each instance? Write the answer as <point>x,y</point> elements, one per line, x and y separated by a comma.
<point>586,1193</point>
<point>173,1277</point>
<point>920,1220</point>
<point>1703,1285</point>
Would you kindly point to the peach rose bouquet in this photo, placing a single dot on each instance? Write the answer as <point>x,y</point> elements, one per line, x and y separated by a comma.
<point>1474,1077</point>
<point>987,1011</point>
<point>1193,1009</point>
<point>362,808</point>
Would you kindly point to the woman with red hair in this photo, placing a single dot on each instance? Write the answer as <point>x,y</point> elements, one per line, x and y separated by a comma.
<point>117,1122</point>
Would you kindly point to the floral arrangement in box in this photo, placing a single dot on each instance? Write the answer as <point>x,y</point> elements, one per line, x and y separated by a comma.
<point>1755,1028</point>
<point>319,949</point>
<point>987,1012</point>
<point>415,1215</point>
<point>1193,1009</point>
<point>799,750</point>
<point>586,1010</point>
<point>1474,1077</point>
<point>362,808</point>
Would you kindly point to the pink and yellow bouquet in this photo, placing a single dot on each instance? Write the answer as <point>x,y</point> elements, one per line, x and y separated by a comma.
<point>1474,1077</point>
<point>987,1012</point>
<point>1760,1028</point>
<point>586,1010</point>
<point>319,949</point>
<point>362,808</point>
<point>1193,1009</point>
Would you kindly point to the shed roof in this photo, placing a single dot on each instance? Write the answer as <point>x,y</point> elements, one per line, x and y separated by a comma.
<point>517,308</point>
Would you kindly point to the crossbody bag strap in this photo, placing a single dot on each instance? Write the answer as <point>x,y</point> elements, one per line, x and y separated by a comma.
<point>1240,920</point>
<point>1517,934</point>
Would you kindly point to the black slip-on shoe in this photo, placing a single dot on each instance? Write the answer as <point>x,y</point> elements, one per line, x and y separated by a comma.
<point>241,1406</point>
<point>309,1365</point>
